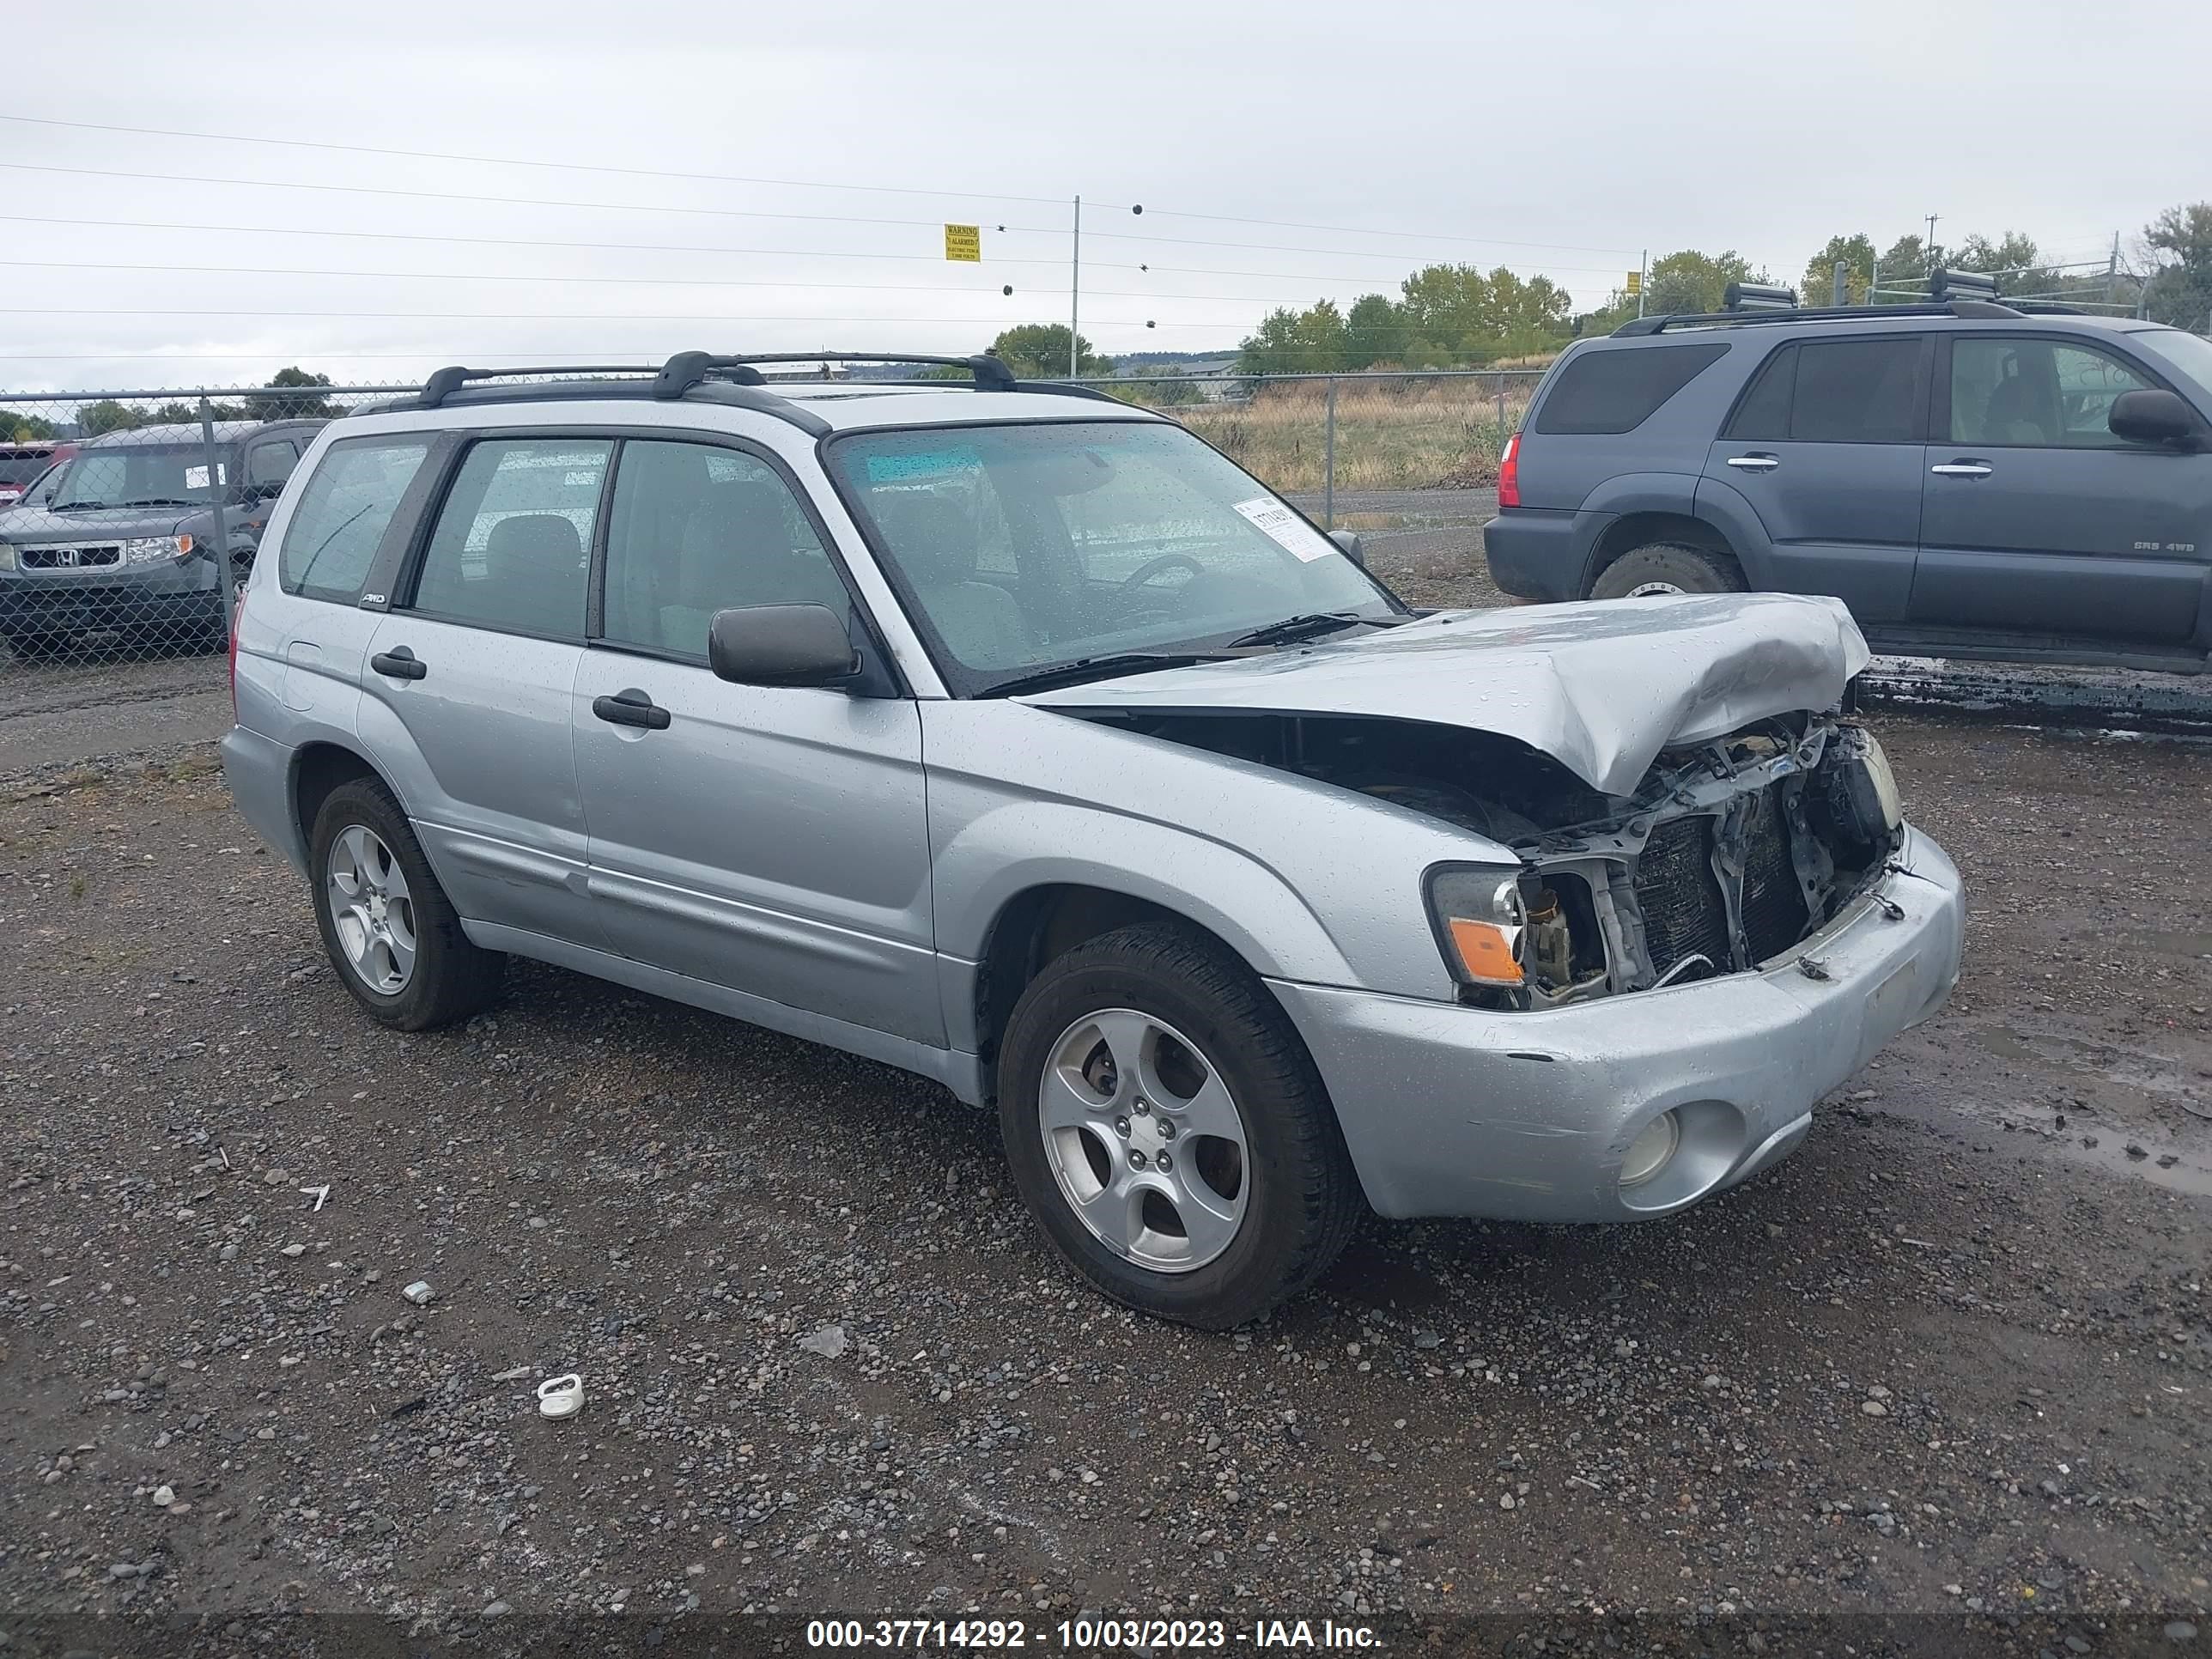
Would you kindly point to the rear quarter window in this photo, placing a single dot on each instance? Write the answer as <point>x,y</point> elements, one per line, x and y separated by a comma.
<point>340,519</point>
<point>1617,390</point>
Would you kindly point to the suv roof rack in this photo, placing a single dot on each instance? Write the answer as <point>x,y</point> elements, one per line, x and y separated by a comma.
<point>734,380</point>
<point>1818,313</point>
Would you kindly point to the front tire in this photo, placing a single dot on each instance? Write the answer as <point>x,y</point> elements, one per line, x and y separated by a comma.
<point>392,932</point>
<point>1661,567</point>
<point>1151,1046</point>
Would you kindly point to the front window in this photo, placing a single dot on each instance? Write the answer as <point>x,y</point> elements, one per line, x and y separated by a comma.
<point>141,475</point>
<point>1031,547</point>
<point>2036,392</point>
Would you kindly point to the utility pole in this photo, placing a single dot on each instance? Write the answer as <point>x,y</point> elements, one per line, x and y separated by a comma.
<point>1931,242</point>
<point>2113,273</point>
<point>1075,288</point>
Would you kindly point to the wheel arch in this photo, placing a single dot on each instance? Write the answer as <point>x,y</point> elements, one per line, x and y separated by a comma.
<point>1634,529</point>
<point>1038,925</point>
<point>320,767</point>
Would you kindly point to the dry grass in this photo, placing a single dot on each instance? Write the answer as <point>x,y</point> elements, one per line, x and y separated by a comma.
<point>1411,435</point>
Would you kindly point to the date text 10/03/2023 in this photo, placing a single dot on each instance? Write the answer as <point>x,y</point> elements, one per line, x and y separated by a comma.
<point>1084,1635</point>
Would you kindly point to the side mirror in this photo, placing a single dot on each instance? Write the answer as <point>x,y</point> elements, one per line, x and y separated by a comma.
<point>1351,544</point>
<point>2153,416</point>
<point>780,645</point>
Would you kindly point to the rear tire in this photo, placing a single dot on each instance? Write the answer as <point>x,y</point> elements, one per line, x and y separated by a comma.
<point>1192,1055</point>
<point>1659,567</point>
<point>409,963</point>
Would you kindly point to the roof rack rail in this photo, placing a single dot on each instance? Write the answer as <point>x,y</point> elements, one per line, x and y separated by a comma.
<point>1814,313</point>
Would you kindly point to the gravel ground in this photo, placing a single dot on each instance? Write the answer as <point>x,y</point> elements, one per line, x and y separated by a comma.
<point>1941,1379</point>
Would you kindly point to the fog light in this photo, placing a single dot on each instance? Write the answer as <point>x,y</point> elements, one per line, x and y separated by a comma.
<point>1649,1154</point>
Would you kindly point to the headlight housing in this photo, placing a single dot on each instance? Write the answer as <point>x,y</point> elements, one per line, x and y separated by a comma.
<point>154,550</point>
<point>7,557</point>
<point>1479,917</point>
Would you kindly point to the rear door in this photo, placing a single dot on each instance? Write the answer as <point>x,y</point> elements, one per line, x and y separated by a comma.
<point>772,839</point>
<point>1824,447</point>
<point>467,686</point>
<point>2036,519</point>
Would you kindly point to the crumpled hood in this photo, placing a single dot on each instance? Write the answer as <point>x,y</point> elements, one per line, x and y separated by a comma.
<point>1600,686</point>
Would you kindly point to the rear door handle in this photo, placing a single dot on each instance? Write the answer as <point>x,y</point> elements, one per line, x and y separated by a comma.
<point>399,663</point>
<point>1962,470</point>
<point>1755,463</point>
<point>631,707</point>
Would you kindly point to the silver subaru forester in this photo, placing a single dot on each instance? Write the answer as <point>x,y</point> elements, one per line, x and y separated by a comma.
<point>1016,738</point>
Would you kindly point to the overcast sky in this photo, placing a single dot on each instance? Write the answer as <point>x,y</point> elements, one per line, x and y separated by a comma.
<point>1562,138</point>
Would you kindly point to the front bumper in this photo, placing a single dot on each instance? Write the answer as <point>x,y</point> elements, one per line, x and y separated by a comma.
<point>1451,1110</point>
<point>178,593</point>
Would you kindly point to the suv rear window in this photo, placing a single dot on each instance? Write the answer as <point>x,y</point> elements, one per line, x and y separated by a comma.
<point>1618,391</point>
<point>336,525</point>
<point>1837,391</point>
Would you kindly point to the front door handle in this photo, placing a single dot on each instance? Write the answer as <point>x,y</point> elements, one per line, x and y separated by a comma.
<point>1962,470</point>
<point>631,707</point>
<point>399,663</point>
<point>1755,463</point>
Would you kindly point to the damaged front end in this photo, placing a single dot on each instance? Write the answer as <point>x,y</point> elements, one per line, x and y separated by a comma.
<point>1726,855</point>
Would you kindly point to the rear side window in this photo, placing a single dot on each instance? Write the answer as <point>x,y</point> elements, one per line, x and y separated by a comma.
<point>511,548</point>
<point>1858,391</point>
<point>340,518</point>
<point>1617,390</point>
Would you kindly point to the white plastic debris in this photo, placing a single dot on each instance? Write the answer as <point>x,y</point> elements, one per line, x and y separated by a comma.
<point>560,1396</point>
<point>829,1341</point>
<point>320,1194</point>
<point>419,1292</point>
<point>513,1374</point>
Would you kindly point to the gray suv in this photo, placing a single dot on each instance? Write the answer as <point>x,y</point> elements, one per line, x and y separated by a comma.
<point>1019,740</point>
<point>1972,479</point>
<point>121,538</point>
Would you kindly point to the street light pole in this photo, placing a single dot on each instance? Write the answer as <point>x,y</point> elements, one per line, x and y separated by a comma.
<point>1075,288</point>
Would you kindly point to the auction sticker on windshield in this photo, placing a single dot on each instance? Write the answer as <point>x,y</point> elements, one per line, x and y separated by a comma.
<point>1287,528</point>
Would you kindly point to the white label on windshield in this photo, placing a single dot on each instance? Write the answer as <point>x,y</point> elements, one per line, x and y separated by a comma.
<point>1286,528</point>
<point>196,476</point>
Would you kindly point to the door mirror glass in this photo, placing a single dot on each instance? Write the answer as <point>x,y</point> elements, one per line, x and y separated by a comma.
<point>1351,544</point>
<point>780,645</point>
<point>2152,417</point>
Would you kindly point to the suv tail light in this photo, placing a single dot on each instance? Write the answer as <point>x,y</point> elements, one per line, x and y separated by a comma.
<point>237,616</point>
<point>1508,473</point>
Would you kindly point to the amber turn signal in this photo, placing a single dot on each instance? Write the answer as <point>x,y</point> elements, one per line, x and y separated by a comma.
<point>1486,951</point>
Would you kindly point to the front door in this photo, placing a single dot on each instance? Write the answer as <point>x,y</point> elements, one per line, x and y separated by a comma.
<point>2035,519</point>
<point>772,839</point>
<point>1824,447</point>
<point>467,685</point>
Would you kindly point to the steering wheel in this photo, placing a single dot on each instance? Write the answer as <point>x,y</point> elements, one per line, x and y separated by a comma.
<point>1152,568</point>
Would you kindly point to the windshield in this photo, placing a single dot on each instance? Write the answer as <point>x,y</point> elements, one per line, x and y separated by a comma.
<point>165,475</point>
<point>1024,547</point>
<point>2192,354</point>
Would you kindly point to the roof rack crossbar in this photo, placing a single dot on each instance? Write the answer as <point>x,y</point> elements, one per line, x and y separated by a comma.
<point>444,382</point>
<point>1814,313</point>
<point>688,368</point>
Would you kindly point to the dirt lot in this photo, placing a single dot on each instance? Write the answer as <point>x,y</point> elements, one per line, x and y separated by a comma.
<point>1942,1380</point>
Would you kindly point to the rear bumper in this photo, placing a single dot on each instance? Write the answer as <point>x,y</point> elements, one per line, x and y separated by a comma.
<point>1541,553</point>
<point>1451,1110</point>
<point>259,770</point>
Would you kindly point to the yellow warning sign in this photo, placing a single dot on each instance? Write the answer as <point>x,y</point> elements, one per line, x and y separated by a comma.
<point>965,242</point>
<point>1635,282</point>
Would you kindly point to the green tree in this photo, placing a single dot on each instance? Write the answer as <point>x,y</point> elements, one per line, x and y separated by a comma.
<point>1038,351</point>
<point>24,428</point>
<point>1372,330</point>
<point>304,405</point>
<point>1691,281</point>
<point>108,416</point>
<point>1310,341</point>
<point>1818,287</point>
<point>2178,244</point>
